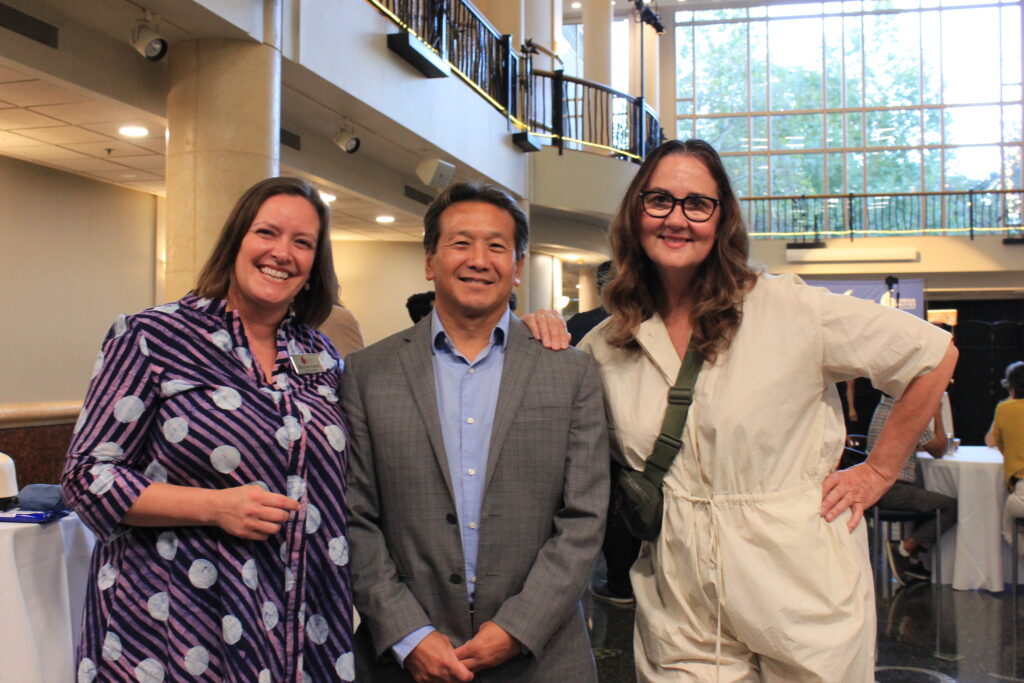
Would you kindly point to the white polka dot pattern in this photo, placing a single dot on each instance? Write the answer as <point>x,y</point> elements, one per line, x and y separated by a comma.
<point>345,667</point>
<point>197,660</point>
<point>167,545</point>
<point>128,409</point>
<point>86,670</point>
<point>202,574</point>
<point>317,629</point>
<point>225,459</point>
<point>337,550</point>
<point>313,519</point>
<point>149,671</point>
<point>227,398</point>
<point>158,606</point>
<point>335,437</point>
<point>111,647</point>
<point>270,615</point>
<point>231,628</point>
<point>175,429</point>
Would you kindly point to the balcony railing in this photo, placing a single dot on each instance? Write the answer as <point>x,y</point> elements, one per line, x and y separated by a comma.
<point>815,217</point>
<point>569,112</point>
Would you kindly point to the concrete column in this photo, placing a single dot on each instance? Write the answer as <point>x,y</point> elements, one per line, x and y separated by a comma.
<point>589,296</point>
<point>542,21</point>
<point>651,83</point>
<point>597,41</point>
<point>545,280</point>
<point>665,105</point>
<point>223,114</point>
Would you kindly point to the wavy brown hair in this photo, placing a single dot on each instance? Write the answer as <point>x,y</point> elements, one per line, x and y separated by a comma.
<point>313,303</point>
<point>721,281</point>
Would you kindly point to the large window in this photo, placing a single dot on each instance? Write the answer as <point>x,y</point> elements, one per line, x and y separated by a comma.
<point>862,96</point>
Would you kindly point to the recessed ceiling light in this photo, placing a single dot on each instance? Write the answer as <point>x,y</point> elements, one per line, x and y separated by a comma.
<point>133,131</point>
<point>576,5</point>
<point>385,219</point>
<point>327,197</point>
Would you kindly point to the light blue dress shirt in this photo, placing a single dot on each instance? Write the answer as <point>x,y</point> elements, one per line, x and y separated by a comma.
<point>467,397</point>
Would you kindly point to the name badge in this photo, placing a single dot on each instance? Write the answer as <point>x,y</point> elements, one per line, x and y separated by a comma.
<point>306,363</point>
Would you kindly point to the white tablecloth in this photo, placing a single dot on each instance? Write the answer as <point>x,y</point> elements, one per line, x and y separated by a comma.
<point>43,572</point>
<point>974,554</point>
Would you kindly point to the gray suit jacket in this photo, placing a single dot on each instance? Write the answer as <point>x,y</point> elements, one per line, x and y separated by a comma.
<point>542,517</point>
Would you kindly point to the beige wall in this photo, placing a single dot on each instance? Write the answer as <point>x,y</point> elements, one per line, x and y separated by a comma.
<point>376,278</point>
<point>951,266</point>
<point>76,253</point>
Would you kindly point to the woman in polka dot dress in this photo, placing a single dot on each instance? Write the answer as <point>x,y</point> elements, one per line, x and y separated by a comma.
<point>210,460</point>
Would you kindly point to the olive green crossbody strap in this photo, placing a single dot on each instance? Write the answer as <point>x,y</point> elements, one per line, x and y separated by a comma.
<point>680,397</point>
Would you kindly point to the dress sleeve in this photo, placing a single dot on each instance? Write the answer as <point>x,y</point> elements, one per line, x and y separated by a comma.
<point>103,473</point>
<point>864,339</point>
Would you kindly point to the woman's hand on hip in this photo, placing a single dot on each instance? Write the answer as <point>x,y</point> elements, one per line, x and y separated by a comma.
<point>856,489</point>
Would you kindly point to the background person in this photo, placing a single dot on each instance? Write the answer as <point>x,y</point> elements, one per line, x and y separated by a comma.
<point>419,305</point>
<point>342,328</point>
<point>908,493</point>
<point>755,574</point>
<point>1007,434</point>
<point>210,461</point>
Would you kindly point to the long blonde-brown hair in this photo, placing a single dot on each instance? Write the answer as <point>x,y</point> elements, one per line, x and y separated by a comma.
<point>721,281</point>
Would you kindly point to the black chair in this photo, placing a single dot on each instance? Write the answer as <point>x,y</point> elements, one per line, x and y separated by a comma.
<point>889,517</point>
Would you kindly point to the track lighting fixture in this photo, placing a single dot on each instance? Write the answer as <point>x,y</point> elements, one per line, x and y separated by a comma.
<point>346,140</point>
<point>146,41</point>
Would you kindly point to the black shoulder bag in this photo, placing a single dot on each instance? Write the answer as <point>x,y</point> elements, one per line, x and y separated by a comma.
<point>639,493</point>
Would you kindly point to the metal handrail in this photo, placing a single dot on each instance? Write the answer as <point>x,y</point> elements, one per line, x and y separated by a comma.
<point>570,112</point>
<point>816,217</point>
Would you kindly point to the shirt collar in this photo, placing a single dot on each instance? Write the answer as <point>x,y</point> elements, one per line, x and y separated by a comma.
<point>439,338</point>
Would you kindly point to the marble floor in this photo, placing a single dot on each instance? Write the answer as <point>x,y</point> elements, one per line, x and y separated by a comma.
<point>925,634</point>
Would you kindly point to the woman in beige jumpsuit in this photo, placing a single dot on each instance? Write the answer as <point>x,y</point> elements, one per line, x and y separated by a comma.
<point>760,571</point>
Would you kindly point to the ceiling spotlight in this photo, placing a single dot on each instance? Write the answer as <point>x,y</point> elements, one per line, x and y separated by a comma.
<point>346,140</point>
<point>147,42</point>
<point>385,219</point>
<point>327,197</point>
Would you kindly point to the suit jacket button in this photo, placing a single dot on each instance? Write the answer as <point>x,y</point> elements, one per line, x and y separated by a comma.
<point>452,519</point>
<point>455,578</point>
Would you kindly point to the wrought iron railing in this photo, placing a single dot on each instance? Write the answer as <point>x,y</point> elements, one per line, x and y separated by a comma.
<point>579,114</point>
<point>569,112</point>
<point>815,217</point>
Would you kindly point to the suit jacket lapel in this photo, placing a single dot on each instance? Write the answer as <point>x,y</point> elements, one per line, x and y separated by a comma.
<point>418,367</point>
<point>520,358</point>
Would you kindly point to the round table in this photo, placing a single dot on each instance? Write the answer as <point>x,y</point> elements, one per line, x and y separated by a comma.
<point>974,554</point>
<point>44,568</point>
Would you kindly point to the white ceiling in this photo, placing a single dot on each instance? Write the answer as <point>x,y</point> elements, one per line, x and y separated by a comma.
<point>57,126</point>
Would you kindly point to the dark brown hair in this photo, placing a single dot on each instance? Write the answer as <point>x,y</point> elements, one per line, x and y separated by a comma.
<point>312,305</point>
<point>465,191</point>
<point>721,281</point>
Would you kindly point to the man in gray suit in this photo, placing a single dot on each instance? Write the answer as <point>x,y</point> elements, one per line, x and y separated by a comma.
<point>479,473</point>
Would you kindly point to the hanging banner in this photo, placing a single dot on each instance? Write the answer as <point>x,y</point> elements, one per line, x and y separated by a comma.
<point>907,294</point>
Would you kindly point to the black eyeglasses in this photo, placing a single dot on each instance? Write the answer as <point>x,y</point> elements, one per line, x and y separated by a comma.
<point>696,207</point>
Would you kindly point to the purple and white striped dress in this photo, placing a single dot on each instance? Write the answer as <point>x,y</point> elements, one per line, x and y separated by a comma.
<point>177,397</point>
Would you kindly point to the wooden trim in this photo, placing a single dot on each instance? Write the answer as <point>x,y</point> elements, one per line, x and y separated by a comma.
<point>38,414</point>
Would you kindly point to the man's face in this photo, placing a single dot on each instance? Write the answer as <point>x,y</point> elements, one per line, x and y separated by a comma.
<point>474,266</point>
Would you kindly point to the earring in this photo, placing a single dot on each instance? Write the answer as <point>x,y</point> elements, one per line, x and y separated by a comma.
<point>515,281</point>
<point>306,286</point>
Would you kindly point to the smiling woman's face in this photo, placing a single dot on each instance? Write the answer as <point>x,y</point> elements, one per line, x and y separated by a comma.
<point>676,245</point>
<point>275,256</point>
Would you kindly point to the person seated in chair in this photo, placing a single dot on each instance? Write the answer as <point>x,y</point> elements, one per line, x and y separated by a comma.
<point>908,493</point>
<point>1007,434</point>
